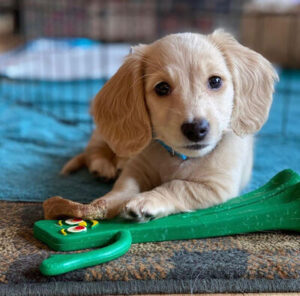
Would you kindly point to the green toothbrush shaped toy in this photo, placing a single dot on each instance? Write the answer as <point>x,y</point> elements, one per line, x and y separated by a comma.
<point>274,206</point>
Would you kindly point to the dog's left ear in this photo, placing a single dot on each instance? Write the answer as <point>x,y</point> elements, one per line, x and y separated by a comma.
<point>253,80</point>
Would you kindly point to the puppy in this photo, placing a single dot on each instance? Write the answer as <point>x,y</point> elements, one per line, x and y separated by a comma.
<point>178,119</point>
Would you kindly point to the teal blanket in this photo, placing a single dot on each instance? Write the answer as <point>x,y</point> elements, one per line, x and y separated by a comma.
<point>34,145</point>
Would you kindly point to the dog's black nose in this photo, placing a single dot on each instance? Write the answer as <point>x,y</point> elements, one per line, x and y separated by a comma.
<point>195,131</point>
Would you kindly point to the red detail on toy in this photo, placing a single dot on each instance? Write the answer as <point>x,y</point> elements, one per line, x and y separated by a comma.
<point>79,227</point>
<point>77,219</point>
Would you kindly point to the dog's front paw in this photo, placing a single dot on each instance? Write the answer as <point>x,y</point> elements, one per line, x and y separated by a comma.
<point>144,208</point>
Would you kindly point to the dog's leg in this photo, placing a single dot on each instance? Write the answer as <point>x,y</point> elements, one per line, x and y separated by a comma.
<point>124,189</point>
<point>99,159</point>
<point>179,196</point>
<point>108,206</point>
<point>137,177</point>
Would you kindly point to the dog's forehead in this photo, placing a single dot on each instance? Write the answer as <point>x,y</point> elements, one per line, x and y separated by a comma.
<point>184,49</point>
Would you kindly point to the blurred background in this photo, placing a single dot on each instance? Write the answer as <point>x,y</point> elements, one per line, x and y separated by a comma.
<point>56,54</point>
<point>61,51</point>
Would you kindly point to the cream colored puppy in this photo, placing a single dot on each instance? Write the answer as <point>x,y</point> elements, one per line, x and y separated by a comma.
<point>203,98</point>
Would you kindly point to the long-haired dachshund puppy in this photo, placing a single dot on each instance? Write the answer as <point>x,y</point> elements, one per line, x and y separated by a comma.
<point>178,119</point>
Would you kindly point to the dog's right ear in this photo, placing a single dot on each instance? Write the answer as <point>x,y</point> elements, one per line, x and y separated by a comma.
<point>120,111</point>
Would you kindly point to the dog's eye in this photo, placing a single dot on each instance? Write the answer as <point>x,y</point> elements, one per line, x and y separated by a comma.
<point>162,89</point>
<point>214,82</point>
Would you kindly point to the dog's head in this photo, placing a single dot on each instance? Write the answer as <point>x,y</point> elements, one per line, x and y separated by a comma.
<point>186,90</point>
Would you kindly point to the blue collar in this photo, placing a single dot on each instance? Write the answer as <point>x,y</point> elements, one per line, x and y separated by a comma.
<point>172,152</point>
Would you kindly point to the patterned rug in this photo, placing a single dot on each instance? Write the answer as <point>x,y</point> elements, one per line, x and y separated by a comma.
<point>262,262</point>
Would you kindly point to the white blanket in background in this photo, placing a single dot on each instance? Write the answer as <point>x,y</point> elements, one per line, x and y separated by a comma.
<point>63,59</point>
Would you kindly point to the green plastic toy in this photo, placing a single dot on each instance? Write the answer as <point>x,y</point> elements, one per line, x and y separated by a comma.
<point>274,206</point>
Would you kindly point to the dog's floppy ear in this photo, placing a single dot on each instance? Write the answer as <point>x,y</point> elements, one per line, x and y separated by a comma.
<point>253,79</point>
<point>120,111</point>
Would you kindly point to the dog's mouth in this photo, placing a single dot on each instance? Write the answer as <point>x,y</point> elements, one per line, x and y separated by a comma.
<point>195,146</point>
